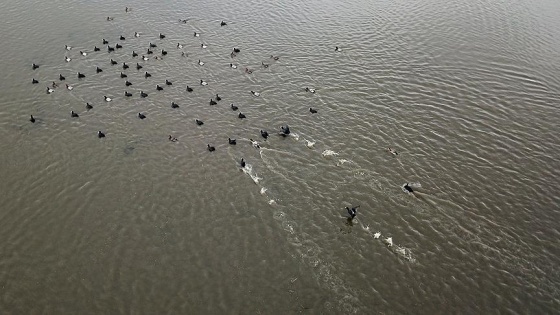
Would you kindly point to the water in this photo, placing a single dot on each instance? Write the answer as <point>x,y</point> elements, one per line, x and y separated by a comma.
<point>465,91</point>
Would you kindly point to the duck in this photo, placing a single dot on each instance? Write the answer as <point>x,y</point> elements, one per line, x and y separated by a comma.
<point>408,188</point>
<point>231,65</point>
<point>377,235</point>
<point>123,75</point>
<point>54,85</point>
<point>83,53</point>
<point>105,42</point>
<point>255,93</point>
<point>74,114</point>
<point>273,57</point>
<point>109,18</point>
<point>159,88</point>
<point>173,139</point>
<point>124,65</point>
<point>241,116</point>
<point>143,94</point>
<point>136,34</point>
<point>34,81</point>
<point>200,63</point>
<point>203,82</point>
<point>107,99</point>
<point>242,163</point>
<point>61,77</point>
<point>167,82</point>
<point>122,38</point>
<point>218,98</point>
<point>174,105</point>
<point>232,54</point>
<point>310,90</point>
<point>392,151</point>
<point>134,54</point>
<point>163,52</point>
<point>255,144</point>
<point>145,58</point>
<point>152,45</point>
<point>223,23</point>
<point>88,106</point>
<point>161,36</point>
<point>232,141</point>
<point>265,65</point>
<point>127,94</point>
<point>100,134</point>
<point>337,48</point>
<point>32,119</point>
<point>141,116</point>
<point>67,59</point>
<point>118,46</point>
<point>352,212</point>
<point>113,62</point>
<point>196,34</point>
<point>264,134</point>
<point>189,89</point>
<point>312,111</point>
<point>35,66</point>
<point>69,87</point>
<point>233,107</point>
<point>138,66</point>
<point>211,148</point>
<point>179,46</point>
<point>96,48</point>
<point>184,21</point>
<point>389,241</point>
<point>236,50</point>
<point>147,75</point>
<point>149,52</point>
<point>110,49</point>
<point>97,70</point>
<point>68,47</point>
<point>285,130</point>
<point>81,75</point>
<point>212,102</point>
<point>199,122</point>
<point>203,46</point>
<point>128,83</point>
<point>49,90</point>
<point>249,71</point>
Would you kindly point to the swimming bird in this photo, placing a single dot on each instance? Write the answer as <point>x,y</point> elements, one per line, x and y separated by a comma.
<point>152,45</point>
<point>35,66</point>
<point>149,52</point>
<point>97,70</point>
<point>264,134</point>
<point>265,65</point>
<point>34,81</point>
<point>113,62</point>
<point>74,114</point>
<point>218,98</point>
<point>109,18</point>
<point>69,87</point>
<point>233,66</point>
<point>54,85</point>
<point>118,46</point>
<point>81,75</point>
<point>249,71</point>
<point>200,63</point>
<point>285,131</point>
<point>212,102</point>
<point>147,75</point>
<point>100,134</point>
<point>96,48</point>
<point>128,83</point>
<point>310,90</point>
<point>223,23</point>
<point>68,47</point>
<point>236,50</point>
<point>232,54</point>
<point>337,49</point>
<point>255,93</point>
<point>145,58</point>
<point>199,122</point>
<point>189,89</point>
<point>136,34</point>
<point>138,66</point>
<point>32,119</point>
<point>159,88</point>
<point>134,54</point>
<point>141,116</point>
<point>173,139</point>
<point>123,75</point>
<point>241,116</point>
<point>211,148</point>
<point>49,90</point>
<point>127,94</point>
<point>196,34</point>
<point>67,59</point>
<point>242,163</point>
<point>143,94</point>
<point>179,46</point>
<point>83,53</point>
<point>389,241</point>
<point>352,211</point>
<point>255,144</point>
<point>167,82</point>
<point>377,235</point>
<point>312,111</point>
<point>61,77</point>
<point>163,52</point>
<point>408,188</point>
<point>174,105</point>
<point>88,106</point>
<point>392,151</point>
<point>273,57</point>
<point>203,46</point>
<point>122,38</point>
<point>107,99</point>
<point>124,65</point>
<point>110,49</point>
<point>105,42</point>
<point>203,82</point>
<point>232,141</point>
<point>161,36</point>
<point>233,107</point>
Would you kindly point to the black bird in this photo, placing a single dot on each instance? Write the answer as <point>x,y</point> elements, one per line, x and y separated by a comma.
<point>96,48</point>
<point>223,23</point>
<point>212,102</point>
<point>123,75</point>
<point>161,36</point>
<point>141,116</point>
<point>134,54</point>
<point>127,94</point>
<point>233,107</point>
<point>74,114</point>
<point>352,211</point>
<point>143,95</point>
<point>211,148</point>
<point>189,89</point>
<point>147,75</point>
<point>167,82</point>
<point>163,52</point>
<point>408,188</point>
<point>264,134</point>
<point>34,81</point>
<point>312,111</point>
<point>88,106</point>
<point>149,51</point>
<point>122,38</point>
<point>113,62</point>
<point>97,69</point>
<point>285,130</point>
<point>128,83</point>
<point>159,88</point>
<point>81,75</point>
<point>232,141</point>
<point>199,122</point>
<point>105,42</point>
<point>100,134</point>
<point>61,77</point>
<point>242,163</point>
<point>174,105</point>
<point>118,46</point>
<point>153,45</point>
<point>236,50</point>
<point>124,65</point>
<point>32,119</point>
<point>218,98</point>
<point>110,49</point>
<point>138,66</point>
<point>241,115</point>
<point>35,66</point>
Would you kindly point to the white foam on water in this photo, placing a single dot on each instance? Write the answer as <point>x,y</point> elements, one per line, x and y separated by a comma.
<point>328,153</point>
<point>310,144</point>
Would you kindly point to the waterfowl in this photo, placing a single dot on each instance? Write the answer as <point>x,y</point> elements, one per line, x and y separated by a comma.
<point>199,122</point>
<point>49,90</point>
<point>223,23</point>
<point>232,54</point>
<point>110,49</point>
<point>183,21</point>
<point>233,107</point>
<point>392,151</point>
<point>97,69</point>
<point>203,82</point>
<point>241,116</point>
<point>100,134</point>
<point>147,75</point>
<point>143,95</point>
<point>159,88</point>
<point>124,65</point>
<point>167,82</point>
<point>141,116</point>
<point>138,66</point>
<point>236,50</point>
<point>189,89</point>
<point>68,47</point>
<point>232,141</point>
<point>273,57</point>
<point>255,144</point>
<point>242,163</point>
<point>118,46</point>
<point>196,34</point>
<point>285,130</point>
<point>231,65</point>
<point>83,53</point>
<point>153,45</point>
<point>163,52</point>
<point>74,114</point>
<point>408,188</point>
<point>179,46</point>
<point>54,85</point>
<point>145,58</point>
<point>377,235</point>
<point>113,62</point>
<point>212,102</point>
<point>136,34</point>
<point>134,54</point>
<point>34,81</point>
<point>123,75</point>
<point>265,65</point>
<point>310,90</point>
<point>389,241</point>
<point>127,94</point>
<point>149,52</point>
<point>32,119</point>
<point>69,87</point>
<point>352,212</point>
<point>88,106</point>
<point>61,77</point>
<point>337,49</point>
<point>81,75</point>
<point>173,139</point>
<point>249,71</point>
<point>96,48</point>
<point>161,36</point>
<point>105,42</point>
<point>312,111</point>
<point>203,46</point>
<point>107,99</point>
<point>264,134</point>
<point>109,18</point>
<point>255,93</point>
<point>174,105</point>
<point>67,59</point>
<point>122,38</point>
<point>35,66</point>
<point>200,63</point>
<point>128,83</point>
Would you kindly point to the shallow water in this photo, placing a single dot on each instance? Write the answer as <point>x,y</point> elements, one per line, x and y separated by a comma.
<point>466,92</point>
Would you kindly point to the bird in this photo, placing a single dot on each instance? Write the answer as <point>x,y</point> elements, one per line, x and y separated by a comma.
<point>203,82</point>
<point>203,46</point>
<point>273,57</point>
<point>233,107</point>
<point>389,241</point>
<point>100,134</point>
<point>196,34</point>
<point>145,58</point>
<point>218,98</point>
<point>242,163</point>
<point>285,131</point>
<point>122,38</point>
<point>163,52</point>
<point>143,94</point>
<point>255,93</point>
<point>113,62</point>
<point>167,82</point>
<point>255,144</point>
<point>74,114</point>
<point>174,105</point>
<point>352,211</point>
<point>67,59</point>
<point>136,34</point>
<point>54,85</point>
<point>124,65</point>
<point>211,148</point>
<point>337,49</point>
<point>107,99</point>
<point>236,50</point>
<point>249,71</point>
<point>118,46</point>
<point>264,134</point>
<point>123,75</point>
<point>377,235</point>
<point>173,139</point>
<point>110,49</point>
<point>127,94</point>
<point>408,188</point>
<point>32,119</point>
<point>97,70</point>
<point>128,83</point>
<point>138,66</point>
<point>310,90</point>
<point>88,106</point>
<point>69,87</point>
<point>159,88</point>
<point>161,36</point>
<point>199,122</point>
<point>153,45</point>
<point>223,23</point>
<point>68,47</point>
<point>189,89</point>
<point>83,53</point>
<point>49,90</point>
<point>96,48</point>
<point>200,63</point>
<point>134,54</point>
<point>105,42</point>
<point>232,141</point>
<point>141,116</point>
<point>212,102</point>
<point>312,111</point>
<point>392,151</point>
<point>147,75</point>
<point>34,81</point>
<point>149,52</point>
<point>179,46</point>
<point>231,65</point>
<point>265,65</point>
<point>241,116</point>
<point>61,77</point>
<point>35,66</point>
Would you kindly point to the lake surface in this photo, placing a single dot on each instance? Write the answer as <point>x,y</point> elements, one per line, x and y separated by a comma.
<point>467,93</point>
